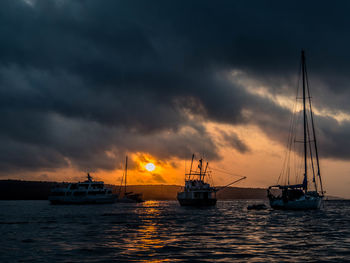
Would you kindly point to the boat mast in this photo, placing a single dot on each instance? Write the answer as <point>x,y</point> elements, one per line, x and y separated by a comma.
<point>200,169</point>
<point>304,111</point>
<point>314,133</point>
<point>126,171</point>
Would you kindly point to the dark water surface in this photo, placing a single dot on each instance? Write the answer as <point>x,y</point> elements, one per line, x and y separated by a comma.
<point>35,231</point>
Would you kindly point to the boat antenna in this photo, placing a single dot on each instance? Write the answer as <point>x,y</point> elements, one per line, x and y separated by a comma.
<point>126,171</point>
<point>304,111</point>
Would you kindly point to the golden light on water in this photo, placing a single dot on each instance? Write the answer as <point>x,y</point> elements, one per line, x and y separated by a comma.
<point>150,167</point>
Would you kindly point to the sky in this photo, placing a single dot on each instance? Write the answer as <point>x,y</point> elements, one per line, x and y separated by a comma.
<point>85,83</point>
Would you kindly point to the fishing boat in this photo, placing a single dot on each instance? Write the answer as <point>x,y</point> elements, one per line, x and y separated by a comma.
<point>87,192</point>
<point>128,197</point>
<point>197,190</point>
<point>306,192</point>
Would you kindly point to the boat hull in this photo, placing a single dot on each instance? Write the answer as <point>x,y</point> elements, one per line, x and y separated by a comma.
<point>197,198</point>
<point>58,200</point>
<point>312,203</point>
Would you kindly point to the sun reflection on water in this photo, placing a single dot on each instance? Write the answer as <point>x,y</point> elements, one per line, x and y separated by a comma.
<point>148,237</point>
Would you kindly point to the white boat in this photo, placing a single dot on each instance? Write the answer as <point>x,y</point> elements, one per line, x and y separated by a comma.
<point>87,192</point>
<point>308,194</point>
<point>198,192</point>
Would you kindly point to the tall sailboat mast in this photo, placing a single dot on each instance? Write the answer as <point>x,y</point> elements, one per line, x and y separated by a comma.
<point>314,133</point>
<point>304,111</point>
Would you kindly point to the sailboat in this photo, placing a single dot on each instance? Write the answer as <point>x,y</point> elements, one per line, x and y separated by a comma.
<point>128,197</point>
<point>307,191</point>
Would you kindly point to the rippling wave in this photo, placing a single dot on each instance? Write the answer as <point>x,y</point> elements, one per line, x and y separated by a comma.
<point>34,231</point>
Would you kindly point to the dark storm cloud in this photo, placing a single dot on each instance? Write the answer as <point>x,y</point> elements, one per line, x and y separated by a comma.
<point>234,141</point>
<point>83,82</point>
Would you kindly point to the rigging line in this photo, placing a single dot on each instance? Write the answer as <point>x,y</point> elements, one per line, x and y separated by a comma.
<point>286,165</point>
<point>286,169</point>
<point>304,120</point>
<point>311,157</point>
<point>301,157</point>
<point>289,153</point>
<point>293,135</point>
<point>236,181</point>
<point>293,149</point>
<point>298,162</point>
<point>314,132</point>
<point>210,177</point>
<point>287,158</point>
<point>226,172</point>
<point>299,170</point>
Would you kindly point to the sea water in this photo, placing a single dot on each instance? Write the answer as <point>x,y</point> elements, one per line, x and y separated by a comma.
<point>35,231</point>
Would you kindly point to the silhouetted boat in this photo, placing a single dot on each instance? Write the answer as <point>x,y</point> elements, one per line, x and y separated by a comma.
<point>304,195</point>
<point>197,192</point>
<point>87,192</point>
<point>128,197</point>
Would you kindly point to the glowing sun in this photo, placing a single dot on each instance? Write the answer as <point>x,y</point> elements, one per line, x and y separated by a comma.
<point>150,167</point>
